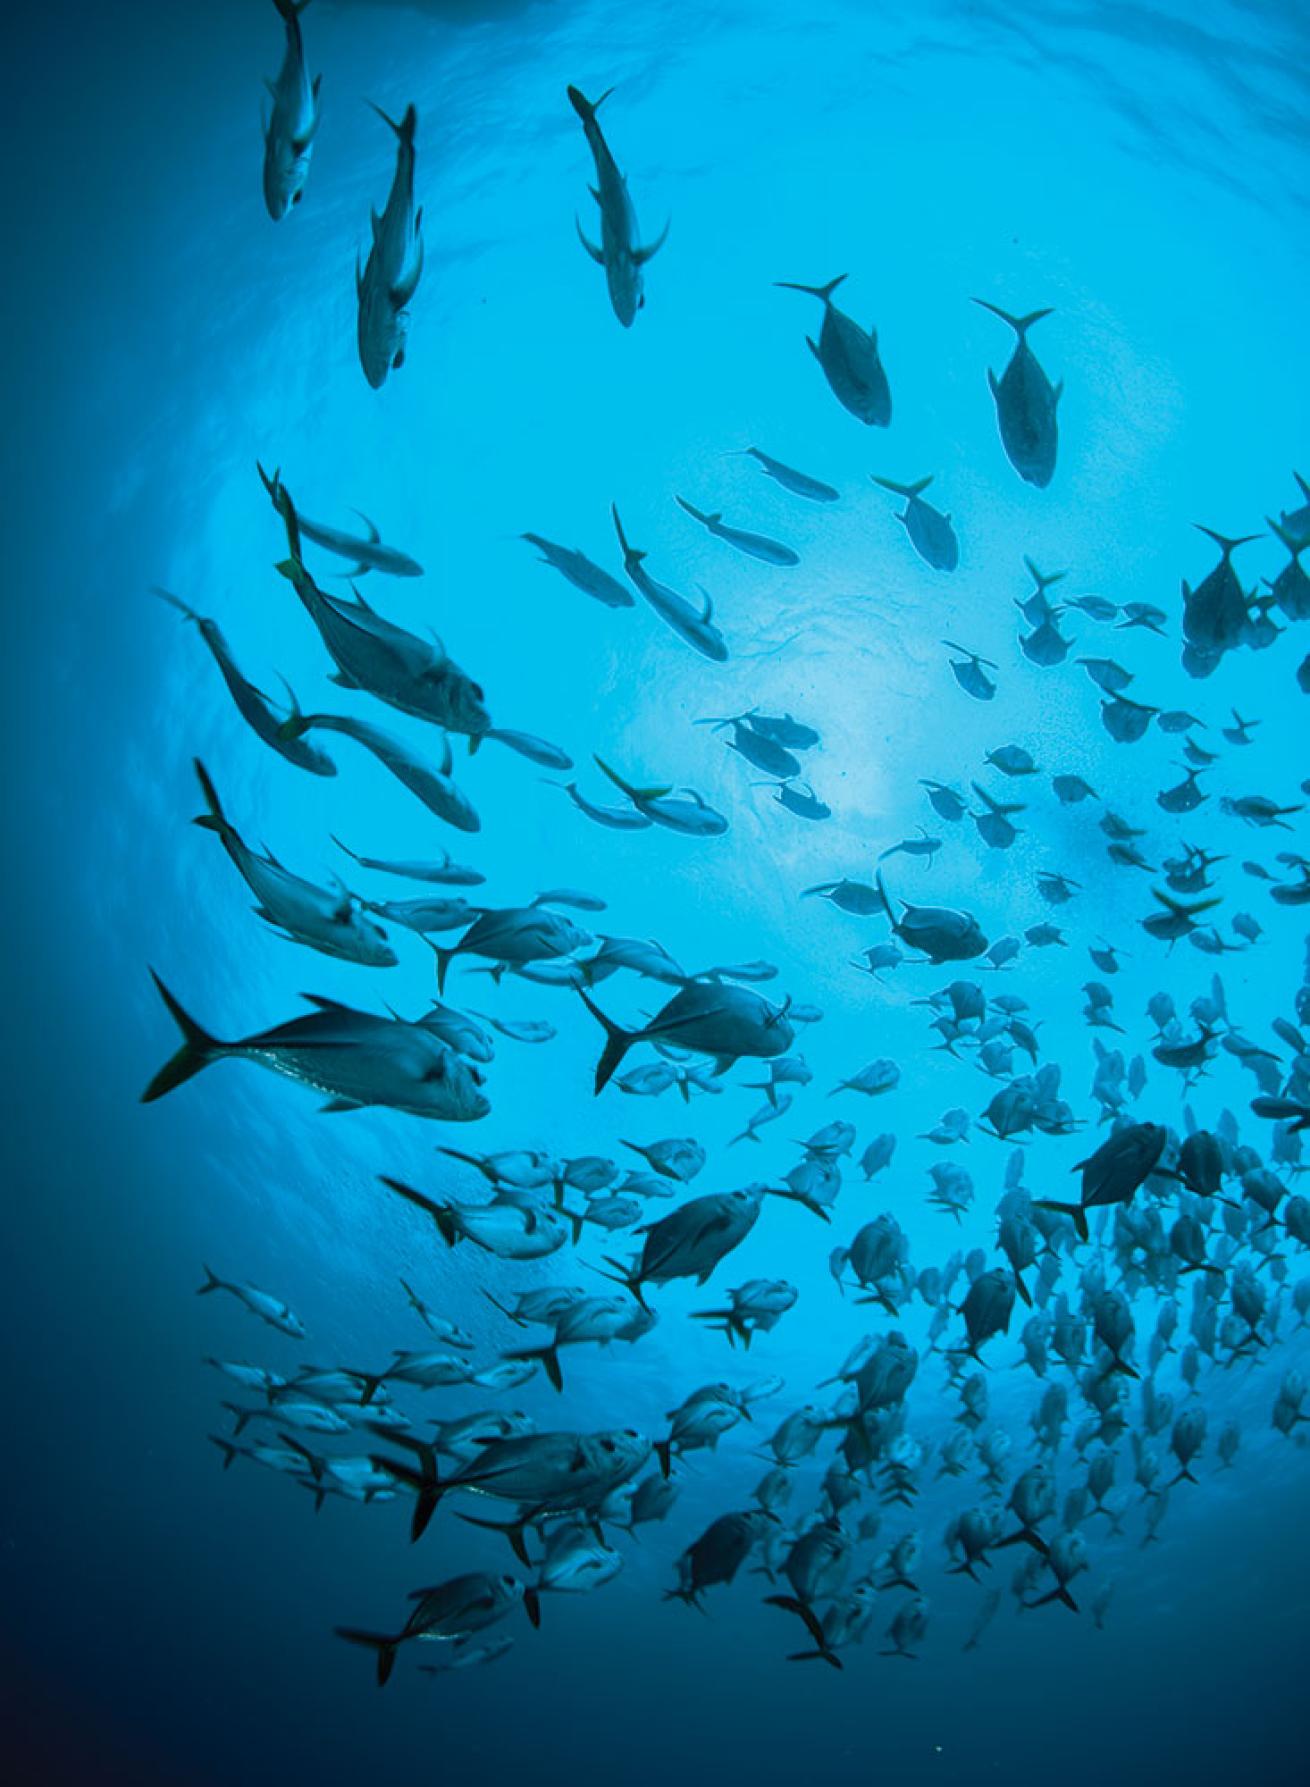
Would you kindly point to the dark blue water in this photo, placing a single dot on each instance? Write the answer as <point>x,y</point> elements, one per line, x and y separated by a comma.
<point>1142,171</point>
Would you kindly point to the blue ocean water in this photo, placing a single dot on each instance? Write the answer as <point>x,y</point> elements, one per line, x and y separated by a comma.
<point>1140,170</point>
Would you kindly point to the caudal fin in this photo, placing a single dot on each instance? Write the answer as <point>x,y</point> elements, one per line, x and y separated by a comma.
<point>375,1641</point>
<point>438,1212</point>
<point>215,819</point>
<point>421,1478</point>
<point>198,1049</point>
<point>1226,544</point>
<point>1020,324</point>
<point>1074,1211</point>
<point>584,107</point>
<point>906,490</point>
<point>617,1042</point>
<point>548,1356</point>
<point>407,128</point>
<point>823,292</point>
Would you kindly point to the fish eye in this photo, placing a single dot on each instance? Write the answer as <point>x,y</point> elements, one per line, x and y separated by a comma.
<point>607,1445</point>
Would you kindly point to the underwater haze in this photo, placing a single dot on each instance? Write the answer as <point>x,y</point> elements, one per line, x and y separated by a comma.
<point>955,952</point>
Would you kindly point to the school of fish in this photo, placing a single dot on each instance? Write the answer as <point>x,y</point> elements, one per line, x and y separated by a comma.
<point>1177,1244</point>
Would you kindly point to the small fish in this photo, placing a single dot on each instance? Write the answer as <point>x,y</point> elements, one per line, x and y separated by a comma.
<point>267,1307</point>
<point>970,673</point>
<point>674,610</point>
<point>577,569</point>
<point>771,552</point>
<point>322,918</point>
<point>263,716</point>
<point>799,483</point>
<point>930,532</point>
<point>367,554</point>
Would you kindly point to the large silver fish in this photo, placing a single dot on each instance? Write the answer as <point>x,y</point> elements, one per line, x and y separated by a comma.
<point>356,1058</point>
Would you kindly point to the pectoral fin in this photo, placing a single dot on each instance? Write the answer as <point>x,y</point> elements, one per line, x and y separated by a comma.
<point>642,255</point>
<point>596,254</point>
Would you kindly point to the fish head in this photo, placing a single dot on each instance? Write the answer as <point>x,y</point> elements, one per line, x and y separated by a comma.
<point>468,710</point>
<point>451,1088</point>
<point>286,169</point>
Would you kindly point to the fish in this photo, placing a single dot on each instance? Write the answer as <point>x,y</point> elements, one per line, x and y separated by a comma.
<point>324,919</point>
<point>694,817</point>
<point>526,744</point>
<point>1026,403</point>
<point>970,671</point>
<point>770,552</point>
<point>447,1614</point>
<point>941,933</point>
<point>263,1304</point>
<point>373,654</point>
<point>710,1018</point>
<point>386,283</point>
<point>848,357</point>
<point>292,125</point>
<point>355,1058</point>
<point>698,630</point>
<point>799,483</point>
<point>508,936</point>
<point>443,874</point>
<point>262,715</point>
<point>619,251</point>
<point>428,783</point>
<point>541,1473</point>
<point>576,568</point>
<point>515,1225</point>
<point>369,553</point>
<point>930,532</point>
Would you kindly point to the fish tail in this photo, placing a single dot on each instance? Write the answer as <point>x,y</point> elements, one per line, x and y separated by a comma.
<point>617,1042</point>
<point>377,1641</point>
<point>445,956</point>
<point>548,1356</point>
<point>212,1282</point>
<point>173,601</point>
<point>822,292</point>
<point>664,1453</point>
<point>532,1605</point>
<point>198,1049</point>
<point>1225,544</point>
<point>1074,1211</point>
<point>226,1447</point>
<point>825,1656</point>
<point>690,509</point>
<point>406,130</point>
<point>906,490</point>
<point>239,1416</point>
<point>513,1530</point>
<point>372,1382</point>
<point>1020,324</point>
<point>312,1459</point>
<point>439,1213</point>
<point>584,107</point>
<point>291,9</point>
<point>422,1480</point>
<point>215,819</point>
